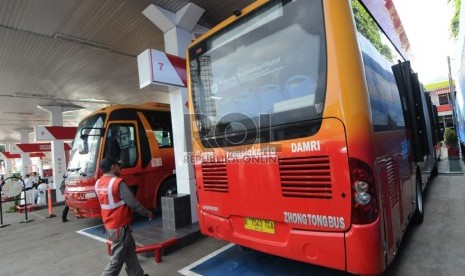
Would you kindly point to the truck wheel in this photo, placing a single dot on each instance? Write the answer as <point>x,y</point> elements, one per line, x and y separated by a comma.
<point>166,189</point>
<point>419,211</point>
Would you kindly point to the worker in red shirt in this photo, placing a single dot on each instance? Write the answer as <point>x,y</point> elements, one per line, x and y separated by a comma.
<point>117,203</point>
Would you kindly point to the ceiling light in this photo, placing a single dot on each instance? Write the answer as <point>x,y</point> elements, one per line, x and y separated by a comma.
<point>81,41</point>
<point>93,100</point>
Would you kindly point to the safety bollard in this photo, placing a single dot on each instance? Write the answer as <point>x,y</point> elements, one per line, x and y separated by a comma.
<point>26,220</point>
<point>155,247</point>
<point>1,211</point>
<point>50,207</point>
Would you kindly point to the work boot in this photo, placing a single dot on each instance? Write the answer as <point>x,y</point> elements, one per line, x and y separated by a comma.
<point>64,219</point>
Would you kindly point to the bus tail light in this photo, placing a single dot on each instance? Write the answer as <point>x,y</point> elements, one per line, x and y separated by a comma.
<point>364,204</point>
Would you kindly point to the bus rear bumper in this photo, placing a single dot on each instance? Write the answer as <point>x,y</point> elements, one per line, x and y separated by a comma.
<point>319,248</point>
<point>364,247</point>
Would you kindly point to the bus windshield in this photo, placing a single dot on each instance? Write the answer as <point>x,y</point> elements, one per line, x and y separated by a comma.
<point>85,164</point>
<point>245,78</point>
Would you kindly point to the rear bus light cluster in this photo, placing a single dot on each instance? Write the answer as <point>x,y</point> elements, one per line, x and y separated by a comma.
<point>364,203</point>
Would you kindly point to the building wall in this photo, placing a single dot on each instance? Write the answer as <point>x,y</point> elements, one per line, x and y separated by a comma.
<point>444,108</point>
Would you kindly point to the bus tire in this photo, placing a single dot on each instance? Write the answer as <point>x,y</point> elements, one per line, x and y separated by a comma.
<point>245,249</point>
<point>435,171</point>
<point>419,210</point>
<point>167,188</point>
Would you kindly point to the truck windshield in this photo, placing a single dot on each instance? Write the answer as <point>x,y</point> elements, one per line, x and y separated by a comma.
<point>85,164</point>
<point>265,72</point>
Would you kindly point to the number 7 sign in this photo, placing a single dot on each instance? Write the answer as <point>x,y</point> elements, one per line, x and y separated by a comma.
<point>156,67</point>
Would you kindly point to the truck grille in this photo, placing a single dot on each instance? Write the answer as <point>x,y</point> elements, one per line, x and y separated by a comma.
<point>215,178</point>
<point>306,177</point>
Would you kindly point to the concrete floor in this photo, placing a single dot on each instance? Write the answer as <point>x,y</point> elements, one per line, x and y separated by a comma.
<point>449,166</point>
<point>50,247</point>
<point>437,246</point>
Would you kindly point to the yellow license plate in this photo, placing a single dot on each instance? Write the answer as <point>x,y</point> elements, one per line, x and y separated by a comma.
<point>261,225</point>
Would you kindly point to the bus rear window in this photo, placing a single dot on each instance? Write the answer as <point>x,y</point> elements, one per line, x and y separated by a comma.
<point>265,71</point>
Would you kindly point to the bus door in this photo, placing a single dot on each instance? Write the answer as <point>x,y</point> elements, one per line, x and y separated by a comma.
<point>121,143</point>
<point>410,94</point>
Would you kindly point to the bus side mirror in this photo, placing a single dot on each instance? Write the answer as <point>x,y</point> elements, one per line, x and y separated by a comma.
<point>83,145</point>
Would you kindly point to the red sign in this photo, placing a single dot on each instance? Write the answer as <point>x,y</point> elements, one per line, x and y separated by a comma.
<point>444,108</point>
<point>62,133</point>
<point>159,68</point>
<point>50,133</point>
<point>179,65</point>
<point>9,155</point>
<point>38,147</point>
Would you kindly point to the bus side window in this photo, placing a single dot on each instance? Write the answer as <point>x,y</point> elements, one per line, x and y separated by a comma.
<point>160,122</point>
<point>163,138</point>
<point>128,146</point>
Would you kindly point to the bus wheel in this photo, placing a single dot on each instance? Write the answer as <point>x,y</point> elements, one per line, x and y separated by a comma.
<point>435,171</point>
<point>166,189</point>
<point>419,211</point>
<point>245,249</point>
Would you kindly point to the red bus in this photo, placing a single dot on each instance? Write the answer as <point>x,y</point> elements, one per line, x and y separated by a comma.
<point>309,137</point>
<point>140,136</point>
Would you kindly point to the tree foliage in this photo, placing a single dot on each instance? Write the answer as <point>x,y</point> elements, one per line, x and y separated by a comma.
<point>450,138</point>
<point>454,22</point>
<point>369,29</point>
